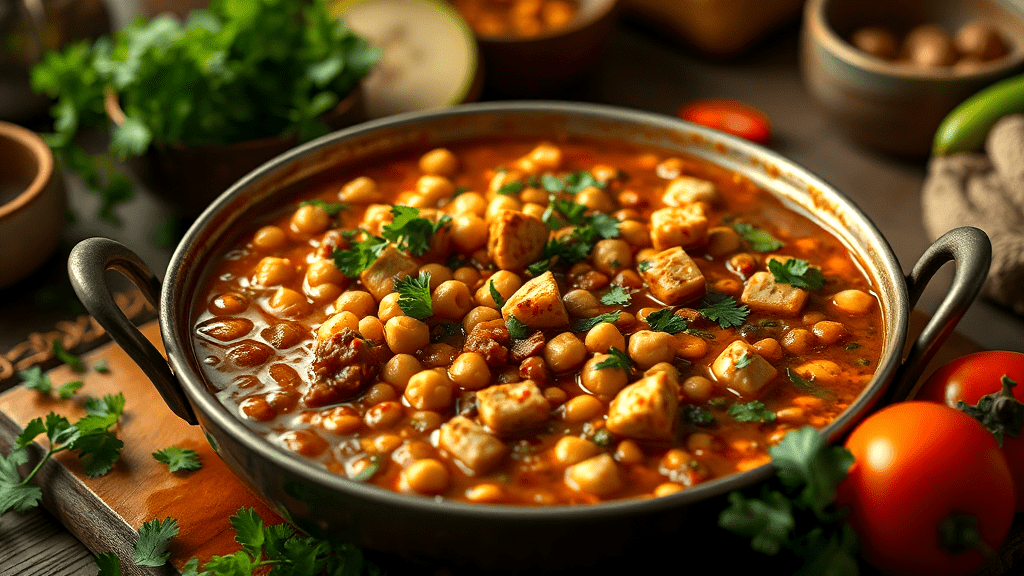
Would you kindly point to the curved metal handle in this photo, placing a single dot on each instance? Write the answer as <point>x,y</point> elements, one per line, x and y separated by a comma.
<point>971,251</point>
<point>87,267</point>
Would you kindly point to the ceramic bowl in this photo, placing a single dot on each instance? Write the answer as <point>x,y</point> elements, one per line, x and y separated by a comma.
<point>32,203</point>
<point>890,106</point>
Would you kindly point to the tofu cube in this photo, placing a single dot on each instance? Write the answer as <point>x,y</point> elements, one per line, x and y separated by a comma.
<point>472,446</point>
<point>763,294</point>
<point>743,370</point>
<point>515,240</point>
<point>687,190</point>
<point>379,278</point>
<point>645,410</point>
<point>673,277</point>
<point>538,304</point>
<point>508,409</point>
<point>685,226</point>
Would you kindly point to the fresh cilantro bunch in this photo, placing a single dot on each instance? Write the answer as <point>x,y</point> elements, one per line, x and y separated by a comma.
<point>97,447</point>
<point>795,512</point>
<point>240,70</point>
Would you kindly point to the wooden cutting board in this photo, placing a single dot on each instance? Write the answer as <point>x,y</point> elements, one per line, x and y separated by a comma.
<point>105,512</point>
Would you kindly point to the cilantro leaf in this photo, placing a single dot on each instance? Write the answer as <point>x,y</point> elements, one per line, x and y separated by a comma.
<point>68,390</point>
<point>249,530</point>
<point>178,459</point>
<point>616,296</point>
<point>723,309</point>
<point>743,361</point>
<point>511,188</point>
<point>697,415</point>
<point>109,564</point>
<point>31,431</point>
<point>414,296</point>
<point>35,379</point>
<point>808,386</point>
<point>16,494</point>
<point>616,359</point>
<point>74,362</point>
<point>154,537</point>
<point>667,321</point>
<point>585,324</point>
<point>768,521</point>
<point>98,452</point>
<point>360,256</point>
<point>797,273</point>
<point>371,469</point>
<point>101,366</point>
<point>516,329</point>
<point>804,460</point>
<point>573,183</point>
<point>332,208</point>
<point>499,300</point>
<point>759,240</point>
<point>754,411</point>
<point>644,265</point>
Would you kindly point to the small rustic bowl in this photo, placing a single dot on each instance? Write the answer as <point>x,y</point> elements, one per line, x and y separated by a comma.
<point>888,106</point>
<point>516,66</point>
<point>32,203</point>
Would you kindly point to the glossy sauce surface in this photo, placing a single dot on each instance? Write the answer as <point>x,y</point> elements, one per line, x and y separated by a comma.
<point>479,415</point>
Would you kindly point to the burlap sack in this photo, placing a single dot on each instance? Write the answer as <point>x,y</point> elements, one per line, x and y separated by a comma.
<point>986,191</point>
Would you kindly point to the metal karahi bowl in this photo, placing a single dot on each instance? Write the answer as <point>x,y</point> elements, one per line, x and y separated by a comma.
<point>632,533</point>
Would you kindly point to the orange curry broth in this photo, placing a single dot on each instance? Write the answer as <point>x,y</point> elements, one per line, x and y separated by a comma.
<point>524,18</point>
<point>261,372</point>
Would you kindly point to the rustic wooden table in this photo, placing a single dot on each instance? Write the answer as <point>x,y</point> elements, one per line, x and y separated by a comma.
<point>640,70</point>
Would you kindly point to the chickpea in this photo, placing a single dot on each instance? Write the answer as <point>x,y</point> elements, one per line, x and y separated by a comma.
<point>698,388</point>
<point>689,346</point>
<point>598,475</point>
<point>500,203</point>
<point>531,195</point>
<point>645,254</point>
<point>580,303</point>
<point>593,280</point>
<point>305,442</point>
<point>582,408</point>
<point>546,156</point>
<point>647,348</point>
<point>603,382</point>
<point>405,334</point>
<point>554,395</point>
<point>671,371</point>
<point>468,203</point>
<point>698,442</point>
<point>478,315</point>
<point>628,279</point>
<point>383,415</point>
<point>722,240</point>
<point>485,493</point>
<point>426,476</point>
<point>470,371</point>
<point>626,214</point>
<point>362,190</point>
<point>389,307</point>
<point>324,272</point>
<point>434,188</point>
<point>535,210</point>
<point>731,286</point>
<point>425,420</point>
<point>812,317</point>
<point>799,341</point>
<point>399,369</point>
<point>629,452</point>
<point>269,238</point>
<point>272,271</point>
<point>878,42</point>
<point>228,303</point>
<point>357,302</point>
<point>451,300</point>
<point>257,408</point>
<point>336,323</point>
<point>793,415</point>
<point>439,162</point>
<point>572,449</point>
<point>564,352</point>
<point>611,255</point>
<point>340,420</point>
<point>500,179</point>
<point>371,328</point>
<point>769,349</point>
<point>310,219</point>
<point>853,302</point>
<point>438,273</point>
<point>468,276</point>
<point>469,232</point>
<point>666,488</point>
<point>429,390</point>
<point>596,199</point>
<point>505,282</point>
<point>635,233</point>
<point>437,355</point>
<point>742,264</point>
<point>829,332</point>
<point>288,302</point>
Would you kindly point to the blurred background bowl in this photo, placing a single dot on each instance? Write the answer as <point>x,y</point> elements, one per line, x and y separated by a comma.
<point>33,207</point>
<point>542,62</point>
<point>894,106</point>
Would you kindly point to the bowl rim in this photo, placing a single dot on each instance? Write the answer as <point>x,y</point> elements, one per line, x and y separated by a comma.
<point>35,145</point>
<point>176,298</point>
<point>839,47</point>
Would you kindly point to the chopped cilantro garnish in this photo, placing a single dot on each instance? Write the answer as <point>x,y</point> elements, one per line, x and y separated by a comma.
<point>101,366</point>
<point>576,246</point>
<point>459,190</point>
<point>751,412</point>
<point>616,296</point>
<point>797,273</point>
<point>585,324</point>
<point>616,359</point>
<point>603,438</point>
<point>499,300</point>
<point>808,386</point>
<point>371,469</point>
<point>332,208</point>
<point>68,390</point>
<point>511,188</point>
<point>644,265</point>
<point>667,321</point>
<point>35,379</point>
<point>697,415</point>
<point>414,296</point>
<point>411,232</point>
<point>573,183</point>
<point>360,256</point>
<point>74,362</point>
<point>178,458</point>
<point>516,329</point>
<point>723,309</point>
<point>743,361</point>
<point>572,211</point>
<point>758,239</point>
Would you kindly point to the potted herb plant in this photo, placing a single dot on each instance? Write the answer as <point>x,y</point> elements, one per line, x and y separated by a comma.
<point>206,100</point>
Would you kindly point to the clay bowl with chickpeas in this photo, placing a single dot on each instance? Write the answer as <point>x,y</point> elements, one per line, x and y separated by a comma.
<point>889,72</point>
<point>519,336</point>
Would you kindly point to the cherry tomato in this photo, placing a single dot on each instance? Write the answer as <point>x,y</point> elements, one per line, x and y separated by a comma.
<point>921,467</point>
<point>968,379</point>
<point>734,118</point>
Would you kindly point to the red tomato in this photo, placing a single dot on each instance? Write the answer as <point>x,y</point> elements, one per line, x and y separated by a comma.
<point>918,464</point>
<point>976,375</point>
<point>732,117</point>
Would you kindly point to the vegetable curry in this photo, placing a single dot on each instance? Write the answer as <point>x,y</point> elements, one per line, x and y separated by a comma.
<point>536,323</point>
